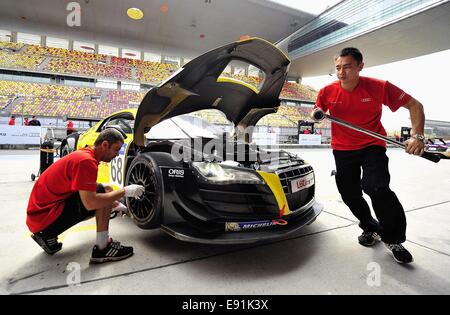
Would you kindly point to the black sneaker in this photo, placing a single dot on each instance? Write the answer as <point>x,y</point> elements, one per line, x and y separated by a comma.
<point>49,245</point>
<point>401,254</point>
<point>113,252</point>
<point>368,238</point>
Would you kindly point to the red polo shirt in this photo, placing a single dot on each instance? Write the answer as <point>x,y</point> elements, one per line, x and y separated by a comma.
<point>361,107</point>
<point>74,172</point>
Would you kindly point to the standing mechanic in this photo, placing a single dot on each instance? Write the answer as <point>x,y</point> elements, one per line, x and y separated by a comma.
<point>359,101</point>
<point>67,193</point>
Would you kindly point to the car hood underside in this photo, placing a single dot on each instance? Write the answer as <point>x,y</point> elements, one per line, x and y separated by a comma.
<point>196,86</point>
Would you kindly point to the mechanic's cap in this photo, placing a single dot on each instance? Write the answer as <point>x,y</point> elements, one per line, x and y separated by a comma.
<point>124,135</point>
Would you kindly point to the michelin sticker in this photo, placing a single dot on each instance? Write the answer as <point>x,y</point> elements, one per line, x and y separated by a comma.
<point>243,226</point>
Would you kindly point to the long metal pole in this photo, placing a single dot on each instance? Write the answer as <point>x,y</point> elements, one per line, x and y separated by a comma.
<point>365,131</point>
<point>319,115</point>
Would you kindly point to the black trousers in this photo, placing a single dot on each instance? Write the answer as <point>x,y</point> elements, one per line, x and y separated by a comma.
<point>374,182</point>
<point>73,213</point>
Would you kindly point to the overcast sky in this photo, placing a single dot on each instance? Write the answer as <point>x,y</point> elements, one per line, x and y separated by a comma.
<point>426,78</point>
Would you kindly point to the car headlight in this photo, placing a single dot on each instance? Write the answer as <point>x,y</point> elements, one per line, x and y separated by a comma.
<point>223,174</point>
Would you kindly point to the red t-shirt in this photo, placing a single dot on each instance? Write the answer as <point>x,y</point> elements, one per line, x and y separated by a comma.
<point>361,107</point>
<point>74,172</point>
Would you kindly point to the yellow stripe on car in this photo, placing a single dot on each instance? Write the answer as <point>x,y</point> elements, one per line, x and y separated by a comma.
<point>236,81</point>
<point>263,40</point>
<point>273,181</point>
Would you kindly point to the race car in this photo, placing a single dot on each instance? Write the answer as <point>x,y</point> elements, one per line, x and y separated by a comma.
<point>202,183</point>
<point>437,145</point>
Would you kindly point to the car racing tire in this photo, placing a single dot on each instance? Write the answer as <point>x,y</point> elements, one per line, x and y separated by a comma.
<point>145,211</point>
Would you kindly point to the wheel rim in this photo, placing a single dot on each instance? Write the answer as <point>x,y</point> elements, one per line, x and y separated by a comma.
<point>143,208</point>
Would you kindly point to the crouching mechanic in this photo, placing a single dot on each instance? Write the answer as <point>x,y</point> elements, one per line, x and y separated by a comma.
<point>67,193</point>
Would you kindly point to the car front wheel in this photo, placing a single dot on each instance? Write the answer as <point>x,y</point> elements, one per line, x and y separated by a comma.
<point>146,210</point>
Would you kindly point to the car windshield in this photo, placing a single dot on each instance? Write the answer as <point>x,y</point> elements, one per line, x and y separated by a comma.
<point>209,123</point>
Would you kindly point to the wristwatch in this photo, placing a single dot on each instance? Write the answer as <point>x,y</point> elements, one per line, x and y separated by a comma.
<point>419,136</point>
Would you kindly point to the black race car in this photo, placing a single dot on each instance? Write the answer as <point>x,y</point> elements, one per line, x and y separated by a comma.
<point>204,184</point>
<point>211,189</point>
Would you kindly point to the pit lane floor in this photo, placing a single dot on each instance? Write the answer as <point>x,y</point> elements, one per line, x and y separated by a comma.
<point>324,258</point>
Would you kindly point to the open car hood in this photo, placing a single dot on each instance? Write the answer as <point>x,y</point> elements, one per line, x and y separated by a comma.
<point>197,86</point>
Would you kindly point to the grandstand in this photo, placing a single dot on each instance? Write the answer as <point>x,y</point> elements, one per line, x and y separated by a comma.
<point>69,62</point>
<point>11,46</point>
<point>50,100</point>
<point>4,101</point>
<point>55,99</point>
<point>297,91</point>
<point>20,61</point>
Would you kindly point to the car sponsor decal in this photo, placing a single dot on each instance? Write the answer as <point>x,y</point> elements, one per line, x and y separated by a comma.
<point>175,173</point>
<point>117,168</point>
<point>252,225</point>
<point>302,182</point>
